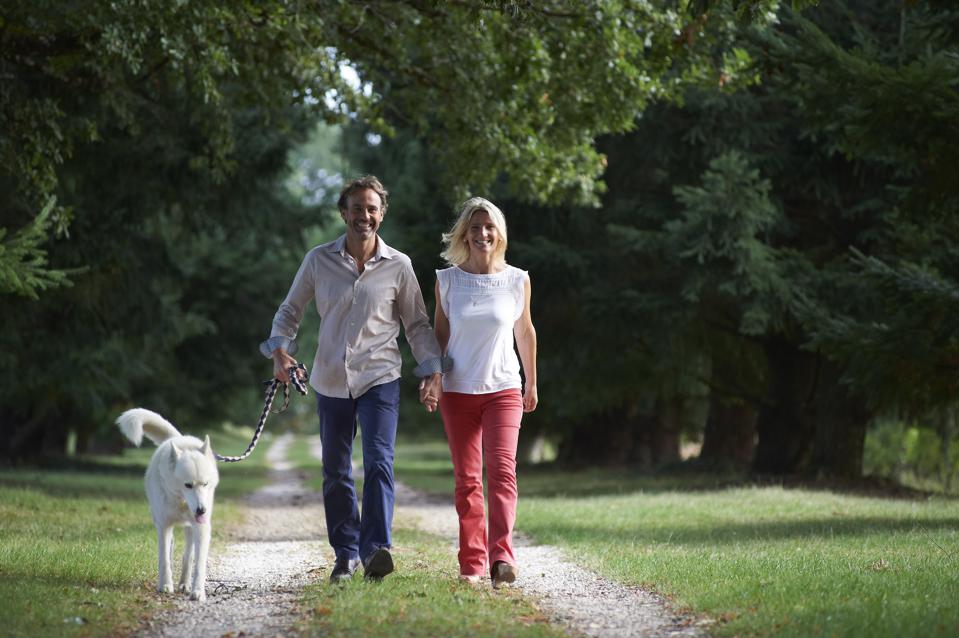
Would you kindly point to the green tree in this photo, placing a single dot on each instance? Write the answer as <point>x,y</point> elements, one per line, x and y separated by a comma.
<point>23,264</point>
<point>520,89</point>
<point>180,279</point>
<point>901,341</point>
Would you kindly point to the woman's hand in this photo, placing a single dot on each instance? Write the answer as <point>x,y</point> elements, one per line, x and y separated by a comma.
<point>431,389</point>
<point>530,398</point>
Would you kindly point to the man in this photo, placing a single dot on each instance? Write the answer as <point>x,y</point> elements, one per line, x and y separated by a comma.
<point>362,289</point>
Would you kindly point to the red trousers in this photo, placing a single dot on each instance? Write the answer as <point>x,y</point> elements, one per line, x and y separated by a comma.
<point>484,427</point>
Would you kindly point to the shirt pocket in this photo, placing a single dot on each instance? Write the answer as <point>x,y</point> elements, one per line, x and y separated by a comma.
<point>324,294</point>
<point>378,300</point>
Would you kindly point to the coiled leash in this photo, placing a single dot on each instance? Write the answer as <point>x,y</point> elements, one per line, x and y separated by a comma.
<point>267,408</point>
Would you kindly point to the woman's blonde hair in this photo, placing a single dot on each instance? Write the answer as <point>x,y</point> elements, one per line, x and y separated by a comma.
<point>457,251</point>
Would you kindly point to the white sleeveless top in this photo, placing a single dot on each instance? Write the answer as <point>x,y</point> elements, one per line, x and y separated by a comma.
<point>482,310</point>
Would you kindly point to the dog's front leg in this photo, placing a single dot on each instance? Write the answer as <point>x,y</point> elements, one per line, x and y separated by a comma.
<point>186,567</point>
<point>165,549</point>
<point>201,538</point>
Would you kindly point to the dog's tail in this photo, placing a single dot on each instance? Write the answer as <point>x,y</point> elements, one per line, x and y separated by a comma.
<point>138,422</point>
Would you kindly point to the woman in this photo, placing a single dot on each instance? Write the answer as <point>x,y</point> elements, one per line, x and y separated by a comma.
<point>482,303</point>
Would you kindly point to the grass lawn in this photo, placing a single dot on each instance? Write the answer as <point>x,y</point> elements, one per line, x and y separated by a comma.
<point>78,548</point>
<point>78,552</point>
<point>763,561</point>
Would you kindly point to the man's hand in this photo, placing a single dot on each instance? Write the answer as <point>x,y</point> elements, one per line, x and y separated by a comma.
<point>282,362</point>
<point>431,389</point>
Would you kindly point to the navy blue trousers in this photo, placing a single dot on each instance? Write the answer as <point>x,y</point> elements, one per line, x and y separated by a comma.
<point>378,411</point>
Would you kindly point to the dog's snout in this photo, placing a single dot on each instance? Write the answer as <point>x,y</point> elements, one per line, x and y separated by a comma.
<point>200,511</point>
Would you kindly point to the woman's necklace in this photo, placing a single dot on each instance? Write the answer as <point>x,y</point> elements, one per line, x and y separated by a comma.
<point>484,269</point>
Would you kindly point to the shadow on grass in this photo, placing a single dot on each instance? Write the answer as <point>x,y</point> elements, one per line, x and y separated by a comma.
<point>425,465</point>
<point>731,533</point>
<point>428,475</point>
<point>63,580</point>
<point>75,484</point>
<point>90,477</point>
<point>553,482</point>
<point>94,464</point>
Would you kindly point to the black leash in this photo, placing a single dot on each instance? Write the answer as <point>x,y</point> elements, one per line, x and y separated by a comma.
<point>267,408</point>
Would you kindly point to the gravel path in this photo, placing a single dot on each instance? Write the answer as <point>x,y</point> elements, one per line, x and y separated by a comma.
<point>567,594</point>
<point>253,586</point>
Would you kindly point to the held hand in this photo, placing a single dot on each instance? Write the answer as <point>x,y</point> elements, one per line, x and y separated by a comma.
<point>425,399</point>
<point>430,391</point>
<point>530,398</point>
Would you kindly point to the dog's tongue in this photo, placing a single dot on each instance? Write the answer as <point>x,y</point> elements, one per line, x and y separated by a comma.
<point>201,518</point>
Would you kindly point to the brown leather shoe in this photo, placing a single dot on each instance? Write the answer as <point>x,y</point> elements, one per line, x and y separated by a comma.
<point>503,573</point>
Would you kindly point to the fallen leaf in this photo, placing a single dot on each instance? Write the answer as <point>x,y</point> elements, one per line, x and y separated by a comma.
<point>880,565</point>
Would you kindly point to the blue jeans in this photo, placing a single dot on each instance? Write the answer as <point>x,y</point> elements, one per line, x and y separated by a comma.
<point>378,412</point>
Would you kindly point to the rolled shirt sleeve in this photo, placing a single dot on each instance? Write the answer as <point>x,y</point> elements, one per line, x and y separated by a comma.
<point>433,366</point>
<point>279,341</point>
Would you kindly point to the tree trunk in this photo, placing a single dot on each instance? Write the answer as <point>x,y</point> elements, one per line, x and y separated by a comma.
<point>667,427</point>
<point>813,423</point>
<point>840,439</point>
<point>31,437</point>
<point>785,433</point>
<point>628,435</point>
<point>22,439</point>
<point>841,417</point>
<point>605,438</point>
<point>729,439</point>
<point>656,434</point>
<point>642,453</point>
<point>946,429</point>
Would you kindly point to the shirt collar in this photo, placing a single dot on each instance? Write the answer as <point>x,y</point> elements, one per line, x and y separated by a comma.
<point>383,251</point>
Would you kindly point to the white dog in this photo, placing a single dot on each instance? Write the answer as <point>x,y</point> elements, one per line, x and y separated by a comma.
<point>180,482</point>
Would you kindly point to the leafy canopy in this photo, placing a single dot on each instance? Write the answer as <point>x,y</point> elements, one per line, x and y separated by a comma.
<point>519,89</point>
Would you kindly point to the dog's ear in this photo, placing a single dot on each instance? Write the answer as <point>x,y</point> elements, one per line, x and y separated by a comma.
<point>207,449</point>
<point>174,454</point>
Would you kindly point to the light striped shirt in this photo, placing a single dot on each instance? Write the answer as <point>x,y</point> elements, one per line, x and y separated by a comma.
<point>360,315</point>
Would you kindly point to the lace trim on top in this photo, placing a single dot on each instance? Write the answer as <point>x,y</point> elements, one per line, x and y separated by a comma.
<point>504,280</point>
